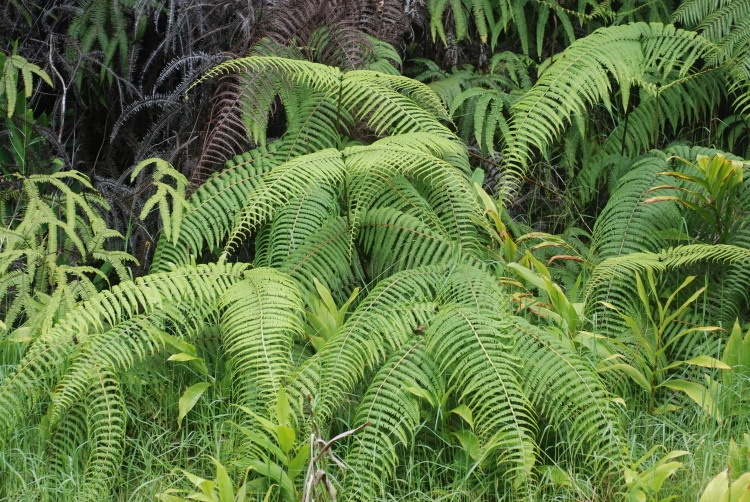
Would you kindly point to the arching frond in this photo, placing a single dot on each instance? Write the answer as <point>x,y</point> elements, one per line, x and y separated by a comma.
<point>259,324</point>
<point>613,280</point>
<point>568,391</point>
<point>626,224</point>
<point>393,412</point>
<point>475,346</point>
<point>580,76</point>
<point>45,359</point>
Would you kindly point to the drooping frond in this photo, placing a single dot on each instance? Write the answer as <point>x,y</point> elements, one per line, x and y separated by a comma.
<point>386,103</point>
<point>627,225</point>
<point>293,226</point>
<point>105,420</point>
<point>568,391</point>
<point>327,257</point>
<point>685,102</point>
<point>118,348</point>
<point>45,359</point>
<point>281,186</point>
<point>580,76</point>
<point>614,279</point>
<point>95,426</point>
<point>363,172</point>
<point>384,321</point>
<point>259,324</point>
<point>396,241</point>
<point>228,134</point>
<point>393,412</point>
<point>214,208</point>
<point>712,18</point>
<point>476,347</point>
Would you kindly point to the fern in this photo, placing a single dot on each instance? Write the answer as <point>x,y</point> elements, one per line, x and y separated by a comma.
<point>364,170</point>
<point>394,414</point>
<point>102,26</point>
<point>635,227</point>
<point>260,322</point>
<point>580,77</point>
<point>613,280</point>
<point>626,224</point>
<point>477,346</point>
<point>11,67</point>
<point>35,287</point>
<point>635,134</point>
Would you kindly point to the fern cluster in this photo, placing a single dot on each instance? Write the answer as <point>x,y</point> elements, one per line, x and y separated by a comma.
<point>332,289</point>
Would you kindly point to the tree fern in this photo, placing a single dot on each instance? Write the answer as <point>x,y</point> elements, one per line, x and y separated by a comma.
<point>363,170</point>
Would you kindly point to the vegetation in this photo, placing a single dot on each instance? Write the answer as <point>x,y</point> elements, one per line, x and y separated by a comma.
<point>396,250</point>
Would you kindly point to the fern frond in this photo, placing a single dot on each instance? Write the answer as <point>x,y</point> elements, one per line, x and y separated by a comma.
<point>396,241</point>
<point>685,103</point>
<point>393,412</point>
<point>297,176</point>
<point>214,207</point>
<point>626,224</point>
<point>568,391</point>
<point>291,228</point>
<point>580,77</point>
<point>384,321</point>
<point>43,361</point>
<point>474,346</point>
<point>613,280</point>
<point>106,419</point>
<point>119,348</point>
<point>326,256</point>
<point>259,324</point>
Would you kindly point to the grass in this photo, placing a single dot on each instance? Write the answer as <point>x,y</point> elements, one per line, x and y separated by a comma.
<point>433,468</point>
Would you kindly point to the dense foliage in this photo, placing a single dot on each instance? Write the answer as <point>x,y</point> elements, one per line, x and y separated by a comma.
<point>357,250</point>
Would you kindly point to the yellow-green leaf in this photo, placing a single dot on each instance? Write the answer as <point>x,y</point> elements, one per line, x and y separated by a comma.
<point>189,399</point>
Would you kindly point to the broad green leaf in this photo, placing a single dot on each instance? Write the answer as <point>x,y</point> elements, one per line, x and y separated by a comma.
<point>189,399</point>
<point>298,464</point>
<point>286,437</point>
<point>196,362</point>
<point>325,296</point>
<point>423,393</point>
<point>697,393</point>
<point>21,335</point>
<point>226,491</point>
<point>203,485</point>
<point>183,357</point>
<point>469,442</point>
<point>464,412</point>
<point>740,489</point>
<point>633,373</point>
<point>273,471</point>
<point>737,351</point>
<point>708,362</point>
<point>556,475</point>
<point>283,409</point>
<point>718,489</point>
